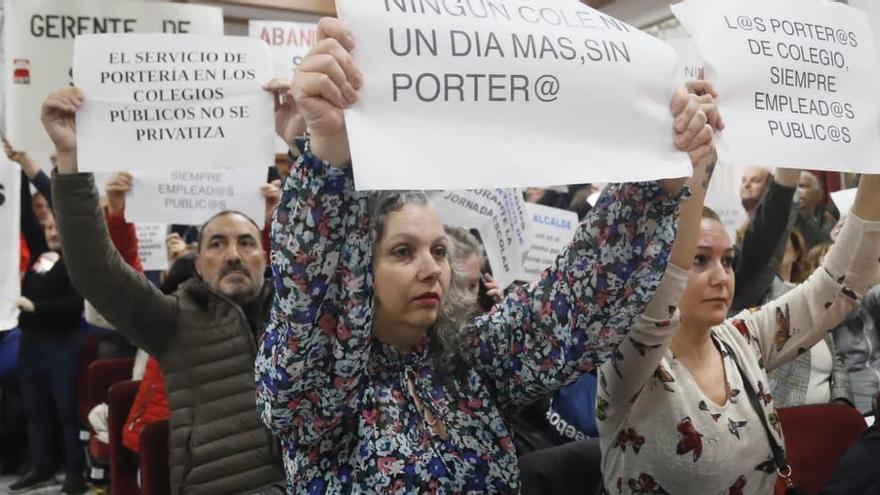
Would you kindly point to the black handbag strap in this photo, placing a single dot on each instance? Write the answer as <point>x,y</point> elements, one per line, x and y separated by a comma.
<point>782,466</point>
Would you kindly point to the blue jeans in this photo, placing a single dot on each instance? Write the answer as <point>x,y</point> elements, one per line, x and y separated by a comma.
<point>48,374</point>
<point>9,350</point>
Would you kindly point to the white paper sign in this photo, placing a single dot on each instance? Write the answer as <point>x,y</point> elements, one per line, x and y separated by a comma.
<point>39,38</point>
<point>10,242</point>
<point>499,215</point>
<point>156,101</point>
<point>796,80</point>
<point>506,94</point>
<point>552,230</point>
<point>151,245</point>
<point>191,197</point>
<point>844,200</point>
<point>288,42</point>
<point>690,62</point>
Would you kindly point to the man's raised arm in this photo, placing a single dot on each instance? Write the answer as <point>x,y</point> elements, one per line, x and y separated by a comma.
<point>123,296</point>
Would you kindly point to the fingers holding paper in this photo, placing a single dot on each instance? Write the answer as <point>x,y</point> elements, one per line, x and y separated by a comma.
<point>695,120</point>
<point>326,83</point>
<point>59,119</point>
<point>289,123</point>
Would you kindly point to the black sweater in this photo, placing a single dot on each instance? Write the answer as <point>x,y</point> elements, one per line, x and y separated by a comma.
<point>58,307</point>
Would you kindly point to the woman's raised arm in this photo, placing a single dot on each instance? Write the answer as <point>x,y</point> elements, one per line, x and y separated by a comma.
<point>314,352</point>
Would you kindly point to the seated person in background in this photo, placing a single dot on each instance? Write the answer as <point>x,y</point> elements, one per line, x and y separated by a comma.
<point>204,335</point>
<point>149,405</point>
<point>815,377</point>
<point>470,259</point>
<point>675,405</point>
<point>858,342</point>
<point>817,254</point>
<point>858,345</point>
<point>795,268</point>
<point>814,220</point>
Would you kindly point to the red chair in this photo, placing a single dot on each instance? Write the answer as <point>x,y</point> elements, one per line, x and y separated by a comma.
<point>123,462</point>
<point>88,353</point>
<point>816,437</point>
<point>154,459</point>
<point>101,375</point>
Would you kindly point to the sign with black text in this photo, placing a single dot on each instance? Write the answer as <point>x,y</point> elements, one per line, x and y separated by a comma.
<point>461,95</point>
<point>499,215</point>
<point>38,38</point>
<point>797,81</point>
<point>552,229</point>
<point>151,245</point>
<point>191,197</point>
<point>156,101</point>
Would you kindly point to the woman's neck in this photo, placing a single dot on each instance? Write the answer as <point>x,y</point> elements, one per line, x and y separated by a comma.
<point>401,339</point>
<point>692,343</point>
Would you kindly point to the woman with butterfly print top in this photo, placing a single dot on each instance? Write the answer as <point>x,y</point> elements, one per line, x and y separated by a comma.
<point>673,413</point>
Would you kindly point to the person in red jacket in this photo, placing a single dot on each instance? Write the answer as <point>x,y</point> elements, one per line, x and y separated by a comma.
<point>150,404</point>
<point>24,256</point>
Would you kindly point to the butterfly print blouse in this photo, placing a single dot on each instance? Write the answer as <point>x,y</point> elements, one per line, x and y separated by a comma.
<point>686,442</point>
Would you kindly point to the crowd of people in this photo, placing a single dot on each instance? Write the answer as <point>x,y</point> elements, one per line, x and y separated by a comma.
<point>358,344</point>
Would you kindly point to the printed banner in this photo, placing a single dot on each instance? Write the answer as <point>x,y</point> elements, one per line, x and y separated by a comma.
<point>499,215</point>
<point>191,197</point>
<point>796,80</point>
<point>151,245</point>
<point>461,95</point>
<point>39,38</point>
<point>10,242</point>
<point>157,101</point>
<point>552,229</point>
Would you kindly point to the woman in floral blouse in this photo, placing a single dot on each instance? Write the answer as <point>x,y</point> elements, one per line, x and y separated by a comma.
<point>369,371</point>
<point>672,409</point>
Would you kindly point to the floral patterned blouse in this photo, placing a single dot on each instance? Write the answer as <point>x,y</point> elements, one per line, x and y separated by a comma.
<point>661,434</point>
<point>347,407</point>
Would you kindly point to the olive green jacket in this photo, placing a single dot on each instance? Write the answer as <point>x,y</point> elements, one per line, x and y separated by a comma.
<point>202,340</point>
